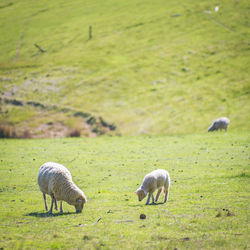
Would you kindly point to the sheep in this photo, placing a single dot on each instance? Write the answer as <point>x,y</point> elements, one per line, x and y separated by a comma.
<point>219,124</point>
<point>157,179</point>
<point>55,180</point>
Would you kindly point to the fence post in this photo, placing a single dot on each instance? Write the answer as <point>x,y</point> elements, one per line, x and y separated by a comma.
<point>90,32</point>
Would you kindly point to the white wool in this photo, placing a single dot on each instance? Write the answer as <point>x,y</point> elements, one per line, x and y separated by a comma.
<point>55,180</point>
<point>219,124</point>
<point>157,179</point>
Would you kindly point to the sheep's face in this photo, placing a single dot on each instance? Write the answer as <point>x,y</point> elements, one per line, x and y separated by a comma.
<point>141,194</point>
<point>79,205</point>
<point>211,128</point>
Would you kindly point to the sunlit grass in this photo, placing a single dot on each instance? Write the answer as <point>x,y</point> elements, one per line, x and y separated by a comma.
<point>208,200</point>
<point>150,68</point>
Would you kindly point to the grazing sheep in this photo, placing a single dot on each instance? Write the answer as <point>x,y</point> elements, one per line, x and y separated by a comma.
<point>219,124</point>
<point>55,180</point>
<point>157,179</point>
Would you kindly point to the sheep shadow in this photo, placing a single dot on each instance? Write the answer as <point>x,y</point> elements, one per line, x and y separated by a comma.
<point>151,204</point>
<point>156,204</point>
<point>46,215</point>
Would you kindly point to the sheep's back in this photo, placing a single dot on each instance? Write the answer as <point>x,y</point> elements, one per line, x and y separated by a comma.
<point>223,120</point>
<point>52,175</point>
<point>157,178</point>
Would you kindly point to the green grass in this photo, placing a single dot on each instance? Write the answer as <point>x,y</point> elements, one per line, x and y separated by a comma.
<point>160,69</point>
<point>151,67</point>
<point>208,204</point>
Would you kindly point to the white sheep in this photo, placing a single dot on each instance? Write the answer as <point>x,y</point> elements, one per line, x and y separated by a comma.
<point>219,124</point>
<point>157,179</point>
<point>55,180</point>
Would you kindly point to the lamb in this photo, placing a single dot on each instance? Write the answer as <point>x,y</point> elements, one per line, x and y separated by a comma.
<point>55,180</point>
<point>219,124</point>
<point>157,179</point>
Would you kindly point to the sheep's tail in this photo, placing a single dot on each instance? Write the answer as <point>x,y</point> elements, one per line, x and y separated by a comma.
<point>169,180</point>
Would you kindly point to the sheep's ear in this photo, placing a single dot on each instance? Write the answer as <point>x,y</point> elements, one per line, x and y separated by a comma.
<point>135,193</point>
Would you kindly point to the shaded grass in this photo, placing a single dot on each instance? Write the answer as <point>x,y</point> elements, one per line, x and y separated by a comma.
<point>241,175</point>
<point>109,170</point>
<point>37,214</point>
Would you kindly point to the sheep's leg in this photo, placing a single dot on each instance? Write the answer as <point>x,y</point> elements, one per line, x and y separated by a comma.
<point>61,207</point>
<point>158,194</point>
<point>166,194</point>
<point>55,204</point>
<point>53,200</point>
<point>149,195</point>
<point>45,202</point>
<point>153,199</point>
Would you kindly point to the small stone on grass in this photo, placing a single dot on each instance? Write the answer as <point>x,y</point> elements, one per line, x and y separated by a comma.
<point>142,216</point>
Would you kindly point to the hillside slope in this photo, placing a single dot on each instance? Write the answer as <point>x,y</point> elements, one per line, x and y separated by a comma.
<point>151,67</point>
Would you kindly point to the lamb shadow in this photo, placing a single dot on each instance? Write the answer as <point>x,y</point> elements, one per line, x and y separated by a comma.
<point>143,204</point>
<point>156,204</point>
<point>46,215</point>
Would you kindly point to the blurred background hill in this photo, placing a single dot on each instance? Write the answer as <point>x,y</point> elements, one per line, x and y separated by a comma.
<point>149,67</point>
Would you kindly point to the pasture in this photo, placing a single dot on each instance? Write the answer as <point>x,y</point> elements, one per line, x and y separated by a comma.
<point>151,67</point>
<point>208,202</point>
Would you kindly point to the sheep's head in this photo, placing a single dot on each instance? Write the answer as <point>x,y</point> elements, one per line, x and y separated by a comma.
<point>141,194</point>
<point>211,128</point>
<point>79,204</point>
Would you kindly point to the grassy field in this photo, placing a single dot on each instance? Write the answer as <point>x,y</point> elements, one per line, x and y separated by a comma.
<point>160,71</point>
<point>152,67</point>
<point>208,204</point>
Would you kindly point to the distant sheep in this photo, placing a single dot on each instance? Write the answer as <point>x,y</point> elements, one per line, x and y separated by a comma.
<point>55,180</point>
<point>219,124</point>
<point>157,179</point>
